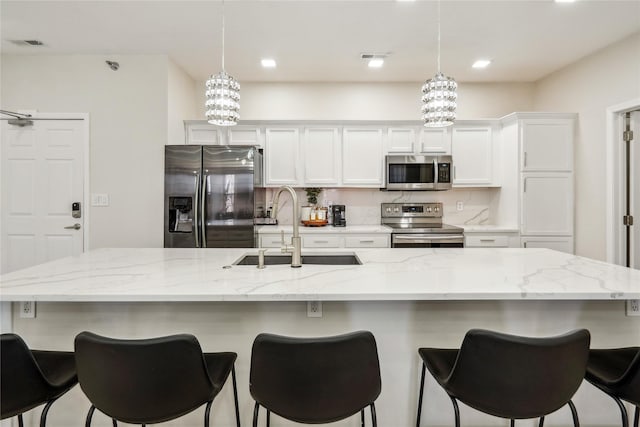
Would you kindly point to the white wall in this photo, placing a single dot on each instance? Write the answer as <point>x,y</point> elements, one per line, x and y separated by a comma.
<point>369,101</point>
<point>128,121</point>
<point>588,87</point>
<point>181,92</point>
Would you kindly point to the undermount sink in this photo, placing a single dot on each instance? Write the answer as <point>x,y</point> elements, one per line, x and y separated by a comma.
<point>316,259</point>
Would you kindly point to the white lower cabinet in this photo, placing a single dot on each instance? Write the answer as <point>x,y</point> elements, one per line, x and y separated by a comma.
<point>329,240</point>
<point>558,243</point>
<point>491,240</point>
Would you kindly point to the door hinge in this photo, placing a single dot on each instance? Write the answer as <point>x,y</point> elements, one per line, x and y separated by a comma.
<point>627,220</point>
<point>627,136</point>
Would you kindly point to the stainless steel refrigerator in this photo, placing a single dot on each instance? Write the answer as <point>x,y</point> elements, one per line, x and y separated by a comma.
<point>209,196</point>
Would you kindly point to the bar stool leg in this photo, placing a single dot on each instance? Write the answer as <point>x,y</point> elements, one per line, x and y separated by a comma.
<point>420,395</point>
<point>574,414</point>
<point>636,417</point>
<point>362,418</point>
<point>541,422</point>
<point>512,422</point>
<point>456,410</point>
<point>207,411</point>
<point>89,416</point>
<point>114,422</point>
<point>255,414</point>
<point>235,394</point>
<point>45,411</point>
<point>268,418</point>
<point>20,422</point>
<point>623,411</point>
<point>374,419</point>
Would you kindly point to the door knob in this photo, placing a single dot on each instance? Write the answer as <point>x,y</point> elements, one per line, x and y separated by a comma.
<point>75,226</point>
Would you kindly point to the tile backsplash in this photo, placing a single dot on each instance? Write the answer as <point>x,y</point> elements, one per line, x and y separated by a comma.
<point>363,205</point>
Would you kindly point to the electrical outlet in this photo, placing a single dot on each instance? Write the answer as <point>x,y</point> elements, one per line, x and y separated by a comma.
<point>460,206</point>
<point>633,307</point>
<point>314,308</point>
<point>28,309</point>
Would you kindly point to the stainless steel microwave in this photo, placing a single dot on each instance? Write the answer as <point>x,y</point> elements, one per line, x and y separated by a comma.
<point>418,173</point>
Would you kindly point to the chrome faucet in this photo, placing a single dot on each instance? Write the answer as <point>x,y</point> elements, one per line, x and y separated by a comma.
<point>296,242</point>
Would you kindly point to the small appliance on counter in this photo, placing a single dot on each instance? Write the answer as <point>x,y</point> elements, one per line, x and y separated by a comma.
<point>339,215</point>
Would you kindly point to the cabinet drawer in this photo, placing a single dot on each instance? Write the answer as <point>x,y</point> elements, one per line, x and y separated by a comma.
<point>486,241</point>
<point>321,241</point>
<point>367,241</point>
<point>274,241</point>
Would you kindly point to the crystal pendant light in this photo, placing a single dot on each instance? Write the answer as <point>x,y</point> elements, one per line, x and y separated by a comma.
<point>223,94</point>
<point>439,96</point>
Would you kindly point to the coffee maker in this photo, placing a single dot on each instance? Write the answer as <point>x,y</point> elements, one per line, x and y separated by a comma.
<point>339,215</point>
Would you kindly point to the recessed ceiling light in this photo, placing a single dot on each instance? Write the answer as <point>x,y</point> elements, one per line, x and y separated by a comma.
<point>268,63</point>
<point>376,62</point>
<point>481,63</point>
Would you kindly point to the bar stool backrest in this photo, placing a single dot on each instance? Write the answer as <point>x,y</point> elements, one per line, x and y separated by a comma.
<point>630,384</point>
<point>518,377</point>
<point>143,381</point>
<point>23,386</point>
<point>315,380</point>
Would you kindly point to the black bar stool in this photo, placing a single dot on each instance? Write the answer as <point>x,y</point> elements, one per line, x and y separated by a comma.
<point>509,376</point>
<point>315,380</point>
<point>30,378</point>
<point>616,372</point>
<point>150,381</point>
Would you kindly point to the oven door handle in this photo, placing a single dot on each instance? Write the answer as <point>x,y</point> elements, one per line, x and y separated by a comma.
<point>428,237</point>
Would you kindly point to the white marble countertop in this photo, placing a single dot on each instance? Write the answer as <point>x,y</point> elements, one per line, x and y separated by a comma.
<point>328,229</point>
<point>104,275</point>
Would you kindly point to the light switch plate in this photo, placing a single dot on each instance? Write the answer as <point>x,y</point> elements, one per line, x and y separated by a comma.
<point>460,206</point>
<point>99,200</point>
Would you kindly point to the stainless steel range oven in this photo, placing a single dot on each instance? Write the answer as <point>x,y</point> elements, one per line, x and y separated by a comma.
<point>419,225</point>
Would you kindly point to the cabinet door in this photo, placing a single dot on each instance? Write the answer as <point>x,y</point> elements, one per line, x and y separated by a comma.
<point>472,152</point>
<point>322,157</point>
<point>362,157</point>
<point>547,204</point>
<point>435,141</point>
<point>401,140</point>
<point>281,156</point>
<point>203,134</point>
<point>547,145</point>
<point>559,243</point>
<point>244,135</point>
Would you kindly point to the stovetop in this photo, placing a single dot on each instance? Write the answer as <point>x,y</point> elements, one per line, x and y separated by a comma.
<point>416,218</point>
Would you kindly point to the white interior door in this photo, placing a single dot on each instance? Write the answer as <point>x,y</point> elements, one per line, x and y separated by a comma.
<point>42,176</point>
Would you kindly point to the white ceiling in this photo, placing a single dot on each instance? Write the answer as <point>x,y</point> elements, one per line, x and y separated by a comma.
<point>322,40</point>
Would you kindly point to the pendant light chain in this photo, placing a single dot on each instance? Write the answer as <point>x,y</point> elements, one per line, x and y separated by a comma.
<point>223,93</point>
<point>439,96</point>
<point>222,35</point>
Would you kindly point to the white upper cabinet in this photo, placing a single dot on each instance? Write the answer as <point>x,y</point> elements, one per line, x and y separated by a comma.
<point>322,156</point>
<point>202,133</point>
<point>472,153</point>
<point>362,157</point>
<point>401,140</point>
<point>244,135</point>
<point>435,141</point>
<point>547,204</point>
<point>547,145</point>
<point>281,156</point>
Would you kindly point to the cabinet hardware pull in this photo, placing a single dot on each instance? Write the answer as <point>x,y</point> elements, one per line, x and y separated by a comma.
<point>487,240</point>
<point>366,241</point>
<point>525,159</point>
<point>320,241</point>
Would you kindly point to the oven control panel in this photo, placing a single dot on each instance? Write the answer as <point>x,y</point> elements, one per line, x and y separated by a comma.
<point>411,210</point>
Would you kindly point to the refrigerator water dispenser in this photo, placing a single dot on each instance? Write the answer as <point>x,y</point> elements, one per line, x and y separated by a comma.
<point>180,214</point>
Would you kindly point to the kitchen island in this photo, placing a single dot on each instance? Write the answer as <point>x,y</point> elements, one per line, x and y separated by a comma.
<point>407,297</point>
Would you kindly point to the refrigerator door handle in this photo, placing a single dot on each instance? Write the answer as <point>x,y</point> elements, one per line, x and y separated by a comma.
<point>203,206</point>
<point>196,219</point>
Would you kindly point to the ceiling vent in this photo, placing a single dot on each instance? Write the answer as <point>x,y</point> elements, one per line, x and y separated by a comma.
<point>27,42</point>
<point>367,56</point>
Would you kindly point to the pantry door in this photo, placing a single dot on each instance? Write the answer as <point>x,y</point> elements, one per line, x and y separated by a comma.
<point>43,176</point>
